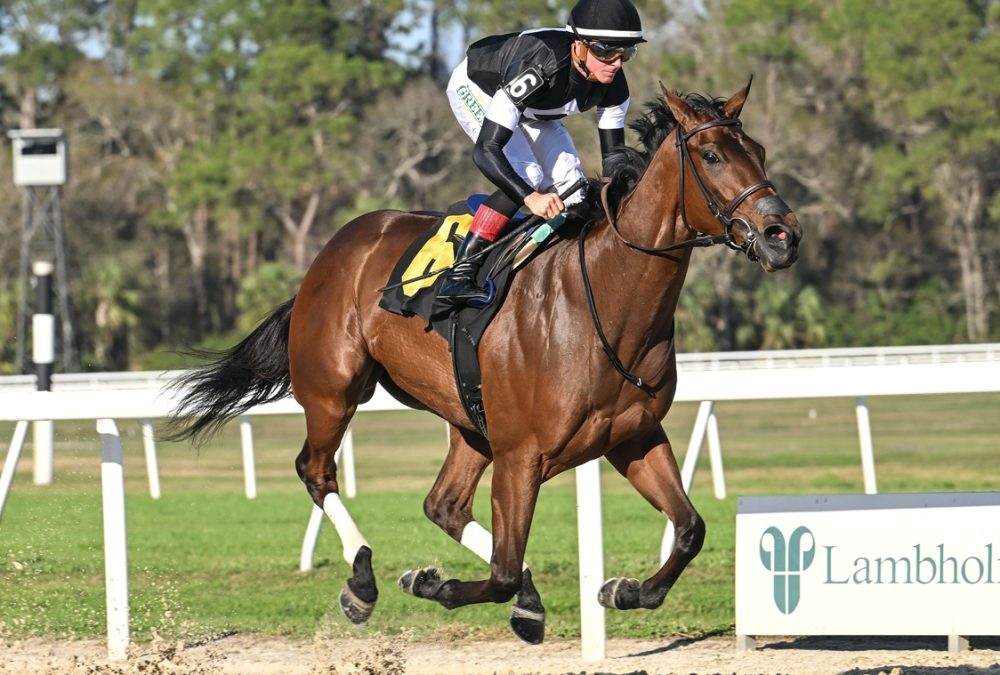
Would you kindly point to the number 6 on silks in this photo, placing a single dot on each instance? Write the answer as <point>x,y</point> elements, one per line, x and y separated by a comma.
<point>523,85</point>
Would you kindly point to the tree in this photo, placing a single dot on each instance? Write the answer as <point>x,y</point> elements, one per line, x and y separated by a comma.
<point>46,35</point>
<point>413,153</point>
<point>113,301</point>
<point>936,98</point>
<point>128,133</point>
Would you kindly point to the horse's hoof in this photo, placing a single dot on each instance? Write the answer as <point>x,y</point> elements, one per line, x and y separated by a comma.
<point>528,625</point>
<point>355,609</point>
<point>405,581</point>
<point>422,583</point>
<point>620,593</point>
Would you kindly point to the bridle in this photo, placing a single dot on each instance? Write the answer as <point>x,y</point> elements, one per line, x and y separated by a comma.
<point>723,214</point>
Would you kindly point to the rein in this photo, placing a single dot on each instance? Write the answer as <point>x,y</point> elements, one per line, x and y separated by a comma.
<point>723,215</point>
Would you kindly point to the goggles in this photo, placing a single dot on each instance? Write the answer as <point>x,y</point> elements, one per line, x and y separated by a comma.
<point>608,53</point>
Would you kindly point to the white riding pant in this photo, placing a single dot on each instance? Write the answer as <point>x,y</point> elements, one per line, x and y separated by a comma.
<point>541,151</point>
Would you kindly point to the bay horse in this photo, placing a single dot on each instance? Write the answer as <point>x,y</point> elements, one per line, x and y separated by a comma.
<point>580,363</point>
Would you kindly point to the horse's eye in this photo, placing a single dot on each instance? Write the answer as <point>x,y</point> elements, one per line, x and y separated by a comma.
<point>710,157</point>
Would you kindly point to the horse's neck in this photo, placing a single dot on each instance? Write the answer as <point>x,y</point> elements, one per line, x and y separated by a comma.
<point>651,213</point>
<point>650,216</point>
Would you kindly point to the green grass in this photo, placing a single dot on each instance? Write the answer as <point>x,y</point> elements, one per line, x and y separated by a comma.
<point>205,559</point>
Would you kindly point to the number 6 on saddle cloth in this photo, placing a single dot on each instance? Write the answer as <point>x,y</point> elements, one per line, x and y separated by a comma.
<point>415,280</point>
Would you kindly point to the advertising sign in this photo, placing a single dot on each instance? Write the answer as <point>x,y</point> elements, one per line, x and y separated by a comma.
<point>906,564</point>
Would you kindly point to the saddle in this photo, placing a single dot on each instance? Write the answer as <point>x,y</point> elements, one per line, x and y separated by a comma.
<point>415,282</point>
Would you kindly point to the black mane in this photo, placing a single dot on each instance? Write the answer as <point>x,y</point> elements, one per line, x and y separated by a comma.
<point>626,165</point>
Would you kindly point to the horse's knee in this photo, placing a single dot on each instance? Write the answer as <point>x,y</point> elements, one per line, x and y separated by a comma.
<point>690,536</point>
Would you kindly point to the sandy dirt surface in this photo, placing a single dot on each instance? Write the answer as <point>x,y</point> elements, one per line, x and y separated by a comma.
<point>255,655</point>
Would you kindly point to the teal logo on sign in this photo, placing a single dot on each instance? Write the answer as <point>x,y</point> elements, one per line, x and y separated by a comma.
<point>786,560</point>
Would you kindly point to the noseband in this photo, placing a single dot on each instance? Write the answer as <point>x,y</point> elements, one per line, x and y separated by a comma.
<point>723,215</point>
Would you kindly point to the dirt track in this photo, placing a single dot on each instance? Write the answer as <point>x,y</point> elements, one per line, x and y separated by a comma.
<point>253,655</point>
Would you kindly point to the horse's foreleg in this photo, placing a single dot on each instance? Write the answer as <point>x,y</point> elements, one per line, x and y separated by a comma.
<point>449,506</point>
<point>514,493</point>
<point>650,466</point>
<point>317,467</point>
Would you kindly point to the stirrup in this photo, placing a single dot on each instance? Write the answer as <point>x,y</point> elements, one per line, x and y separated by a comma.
<point>491,289</point>
<point>458,300</point>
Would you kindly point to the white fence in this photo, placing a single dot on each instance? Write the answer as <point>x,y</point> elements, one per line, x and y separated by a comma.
<point>705,378</point>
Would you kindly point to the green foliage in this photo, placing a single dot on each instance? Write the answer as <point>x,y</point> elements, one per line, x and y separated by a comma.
<point>934,85</point>
<point>269,286</point>
<point>774,312</point>
<point>929,316</point>
<point>784,316</point>
<point>113,301</point>
<point>775,27</point>
<point>8,328</point>
<point>508,16</point>
<point>693,317</point>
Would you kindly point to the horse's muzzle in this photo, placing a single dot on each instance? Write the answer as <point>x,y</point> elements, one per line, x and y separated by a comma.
<point>778,246</point>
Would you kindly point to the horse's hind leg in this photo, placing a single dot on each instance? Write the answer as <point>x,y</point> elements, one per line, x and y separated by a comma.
<point>449,506</point>
<point>650,466</point>
<point>357,598</point>
<point>329,404</point>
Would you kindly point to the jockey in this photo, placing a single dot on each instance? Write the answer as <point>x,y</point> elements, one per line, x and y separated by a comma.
<point>510,93</point>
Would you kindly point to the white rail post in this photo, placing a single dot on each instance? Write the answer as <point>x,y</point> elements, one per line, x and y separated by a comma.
<point>591,544</point>
<point>43,443</point>
<point>345,459</point>
<point>149,447</point>
<point>115,548</point>
<point>249,471</point>
<point>701,424</point>
<point>10,465</point>
<point>43,337</point>
<point>715,455</point>
<point>309,541</point>
<point>694,445</point>
<point>867,452</point>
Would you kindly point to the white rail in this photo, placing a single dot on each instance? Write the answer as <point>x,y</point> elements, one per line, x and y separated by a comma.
<point>756,360</point>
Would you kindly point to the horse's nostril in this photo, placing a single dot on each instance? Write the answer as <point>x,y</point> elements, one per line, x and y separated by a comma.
<point>778,236</point>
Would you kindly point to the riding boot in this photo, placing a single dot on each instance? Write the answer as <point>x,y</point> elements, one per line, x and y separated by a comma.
<point>460,287</point>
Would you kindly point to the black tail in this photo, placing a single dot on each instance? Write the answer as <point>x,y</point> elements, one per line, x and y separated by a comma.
<point>253,372</point>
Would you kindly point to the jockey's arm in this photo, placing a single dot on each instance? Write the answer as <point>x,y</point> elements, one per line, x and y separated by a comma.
<point>611,139</point>
<point>489,158</point>
<point>501,119</point>
<point>611,131</point>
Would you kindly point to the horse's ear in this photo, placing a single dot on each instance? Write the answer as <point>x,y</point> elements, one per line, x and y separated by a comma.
<point>734,106</point>
<point>680,109</point>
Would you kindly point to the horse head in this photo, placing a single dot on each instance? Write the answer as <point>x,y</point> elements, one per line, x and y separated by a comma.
<point>723,186</point>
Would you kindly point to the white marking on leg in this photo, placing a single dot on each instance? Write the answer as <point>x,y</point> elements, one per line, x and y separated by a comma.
<point>477,539</point>
<point>350,535</point>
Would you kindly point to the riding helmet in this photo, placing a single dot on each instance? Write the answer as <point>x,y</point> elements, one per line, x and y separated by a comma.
<point>615,21</point>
